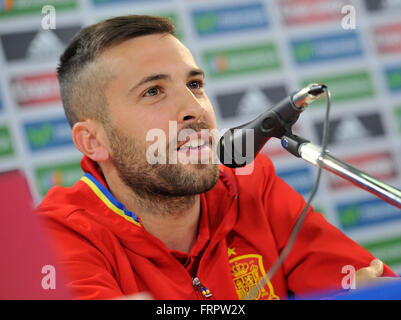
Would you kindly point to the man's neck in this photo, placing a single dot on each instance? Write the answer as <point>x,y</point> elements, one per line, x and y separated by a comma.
<point>178,230</point>
<point>173,220</point>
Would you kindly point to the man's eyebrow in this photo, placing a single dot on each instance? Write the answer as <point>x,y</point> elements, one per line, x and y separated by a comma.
<point>196,72</point>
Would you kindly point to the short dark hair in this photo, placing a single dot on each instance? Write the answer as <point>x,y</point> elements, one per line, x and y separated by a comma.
<point>82,87</point>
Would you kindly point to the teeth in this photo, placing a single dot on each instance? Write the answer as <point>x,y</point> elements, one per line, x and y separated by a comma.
<point>194,143</point>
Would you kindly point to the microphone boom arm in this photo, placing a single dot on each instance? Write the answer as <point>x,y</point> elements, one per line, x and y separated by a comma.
<point>315,155</point>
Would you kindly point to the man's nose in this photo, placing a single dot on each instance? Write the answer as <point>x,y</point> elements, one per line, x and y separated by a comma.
<point>190,108</point>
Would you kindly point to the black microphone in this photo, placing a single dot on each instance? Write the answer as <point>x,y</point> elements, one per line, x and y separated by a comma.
<point>240,145</point>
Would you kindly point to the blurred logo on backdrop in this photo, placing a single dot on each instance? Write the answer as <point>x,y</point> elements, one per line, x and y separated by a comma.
<point>63,174</point>
<point>241,59</point>
<point>327,47</point>
<point>388,38</point>
<point>35,89</point>
<point>393,78</point>
<point>366,212</point>
<point>298,12</point>
<point>352,127</point>
<point>250,101</point>
<point>48,134</point>
<point>397,113</point>
<point>6,142</point>
<point>346,86</point>
<point>382,5</point>
<point>223,19</point>
<point>39,45</point>
<point>10,8</point>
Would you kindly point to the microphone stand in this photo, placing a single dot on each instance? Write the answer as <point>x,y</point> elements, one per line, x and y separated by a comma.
<point>279,126</point>
<point>315,155</point>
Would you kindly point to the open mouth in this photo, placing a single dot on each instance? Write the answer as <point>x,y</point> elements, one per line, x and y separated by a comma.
<point>196,148</point>
<point>193,144</point>
<point>195,141</point>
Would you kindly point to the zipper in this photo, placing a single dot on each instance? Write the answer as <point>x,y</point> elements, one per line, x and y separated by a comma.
<point>202,289</point>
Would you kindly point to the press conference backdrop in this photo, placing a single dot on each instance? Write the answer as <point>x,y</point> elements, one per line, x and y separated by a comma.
<point>254,52</point>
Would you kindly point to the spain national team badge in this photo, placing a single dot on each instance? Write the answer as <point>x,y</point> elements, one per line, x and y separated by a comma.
<point>247,270</point>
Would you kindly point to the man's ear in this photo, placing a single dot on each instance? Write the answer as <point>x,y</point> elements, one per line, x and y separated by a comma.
<point>90,139</point>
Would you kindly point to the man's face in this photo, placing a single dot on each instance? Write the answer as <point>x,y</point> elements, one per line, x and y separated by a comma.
<point>156,82</point>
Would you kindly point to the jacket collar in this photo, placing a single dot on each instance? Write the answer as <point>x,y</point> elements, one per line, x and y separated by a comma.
<point>108,199</point>
<point>217,216</point>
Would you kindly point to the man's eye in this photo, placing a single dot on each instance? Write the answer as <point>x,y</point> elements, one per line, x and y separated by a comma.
<point>195,84</point>
<point>152,92</point>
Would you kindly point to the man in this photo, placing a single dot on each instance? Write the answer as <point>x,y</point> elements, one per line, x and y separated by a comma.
<point>177,230</point>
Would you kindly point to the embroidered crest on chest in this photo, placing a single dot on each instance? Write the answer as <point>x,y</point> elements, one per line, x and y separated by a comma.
<point>247,270</point>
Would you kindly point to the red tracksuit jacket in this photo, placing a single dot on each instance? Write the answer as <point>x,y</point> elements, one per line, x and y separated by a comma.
<point>244,225</point>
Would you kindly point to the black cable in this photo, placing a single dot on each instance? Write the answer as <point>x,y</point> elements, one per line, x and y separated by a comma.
<point>262,282</point>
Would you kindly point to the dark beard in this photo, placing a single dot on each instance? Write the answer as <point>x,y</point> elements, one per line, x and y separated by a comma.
<point>167,187</point>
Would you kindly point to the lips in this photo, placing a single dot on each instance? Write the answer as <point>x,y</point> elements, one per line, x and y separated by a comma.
<point>195,141</point>
<point>194,144</point>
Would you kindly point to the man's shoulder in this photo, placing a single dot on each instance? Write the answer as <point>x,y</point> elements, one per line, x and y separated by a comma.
<point>62,201</point>
<point>66,212</point>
